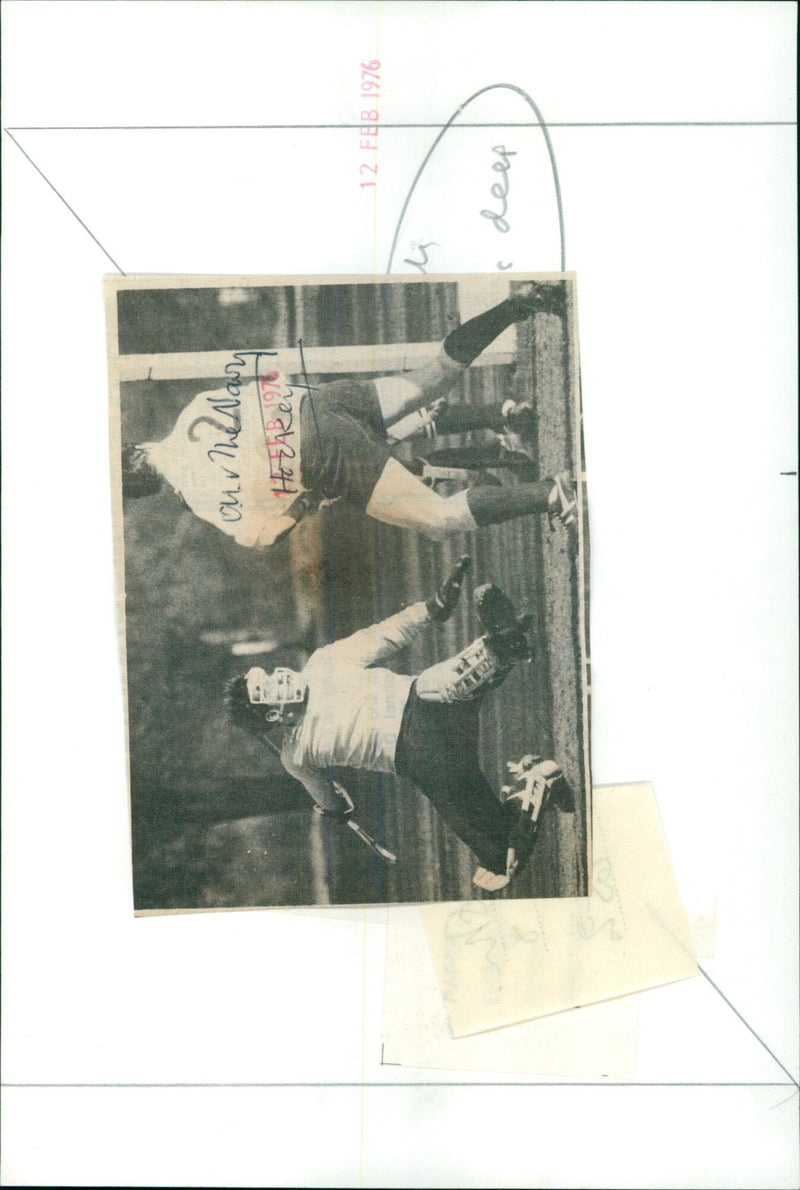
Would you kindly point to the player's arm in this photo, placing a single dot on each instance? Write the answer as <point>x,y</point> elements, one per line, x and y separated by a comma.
<point>329,796</point>
<point>442,605</point>
<point>274,532</point>
<point>373,645</point>
<point>270,534</point>
<point>280,527</point>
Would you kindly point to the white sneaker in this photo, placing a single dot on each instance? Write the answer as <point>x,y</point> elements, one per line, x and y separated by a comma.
<point>563,501</point>
<point>489,881</point>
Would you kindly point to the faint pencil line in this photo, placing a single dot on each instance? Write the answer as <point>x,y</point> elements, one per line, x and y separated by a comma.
<point>786,1100</point>
<point>748,1026</point>
<point>375,1085</point>
<point>66,204</point>
<point>431,124</point>
<point>363,1046</point>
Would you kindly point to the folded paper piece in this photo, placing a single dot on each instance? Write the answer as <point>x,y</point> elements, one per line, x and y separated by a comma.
<point>499,962</point>
<point>595,1042</point>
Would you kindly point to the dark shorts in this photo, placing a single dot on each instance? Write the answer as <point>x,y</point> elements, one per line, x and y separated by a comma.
<point>344,448</point>
<point>437,749</point>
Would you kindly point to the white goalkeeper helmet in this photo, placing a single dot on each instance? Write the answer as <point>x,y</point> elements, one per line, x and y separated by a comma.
<point>282,689</point>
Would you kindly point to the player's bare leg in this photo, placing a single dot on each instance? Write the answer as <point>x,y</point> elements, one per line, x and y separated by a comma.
<point>400,498</point>
<point>400,396</point>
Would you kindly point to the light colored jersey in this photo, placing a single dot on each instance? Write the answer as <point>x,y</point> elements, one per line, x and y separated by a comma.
<point>234,456</point>
<point>355,707</point>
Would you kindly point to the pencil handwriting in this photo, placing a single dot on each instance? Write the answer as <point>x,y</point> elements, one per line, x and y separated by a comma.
<point>499,190</point>
<point>417,246</point>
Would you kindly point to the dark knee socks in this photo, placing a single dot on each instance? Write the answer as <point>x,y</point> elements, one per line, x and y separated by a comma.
<point>466,342</point>
<point>482,454</point>
<point>490,506</point>
<point>461,418</point>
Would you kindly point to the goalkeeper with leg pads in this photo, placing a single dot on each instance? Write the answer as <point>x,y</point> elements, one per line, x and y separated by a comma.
<point>346,710</point>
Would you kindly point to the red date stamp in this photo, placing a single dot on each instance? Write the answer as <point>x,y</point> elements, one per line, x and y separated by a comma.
<point>368,143</point>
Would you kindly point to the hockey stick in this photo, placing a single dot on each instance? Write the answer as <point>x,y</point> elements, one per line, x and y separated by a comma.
<point>370,842</point>
<point>355,827</point>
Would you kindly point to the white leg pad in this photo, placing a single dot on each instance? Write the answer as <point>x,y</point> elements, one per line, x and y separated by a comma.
<point>459,678</point>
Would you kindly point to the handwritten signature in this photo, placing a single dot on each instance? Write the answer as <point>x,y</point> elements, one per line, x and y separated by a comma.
<point>277,418</point>
<point>475,925</point>
<point>277,407</point>
<point>604,887</point>
<point>228,408</point>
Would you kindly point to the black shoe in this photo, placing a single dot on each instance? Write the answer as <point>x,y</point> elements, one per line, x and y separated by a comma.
<point>532,782</point>
<point>518,418</point>
<point>539,297</point>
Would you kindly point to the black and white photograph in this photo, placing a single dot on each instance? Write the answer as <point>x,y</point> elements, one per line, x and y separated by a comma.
<point>400,751</point>
<point>352,554</point>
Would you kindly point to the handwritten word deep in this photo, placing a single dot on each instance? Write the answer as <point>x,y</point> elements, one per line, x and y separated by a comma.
<point>500,189</point>
<point>443,192</point>
<point>369,119</point>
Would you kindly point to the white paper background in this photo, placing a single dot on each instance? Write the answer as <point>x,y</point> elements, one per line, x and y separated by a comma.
<point>684,243</point>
